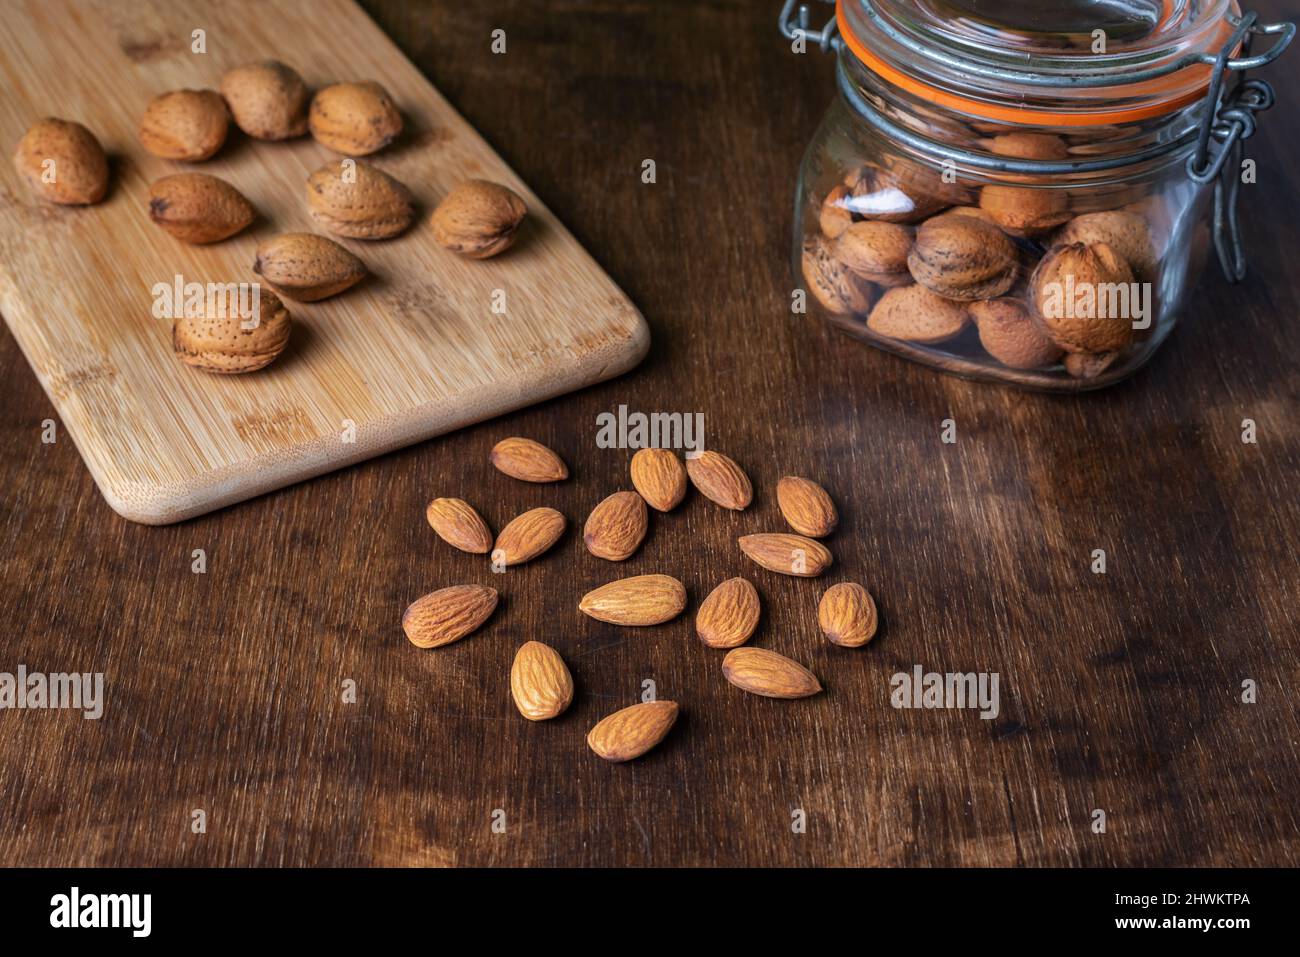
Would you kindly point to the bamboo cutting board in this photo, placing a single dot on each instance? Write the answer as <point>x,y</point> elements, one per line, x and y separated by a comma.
<point>414,351</point>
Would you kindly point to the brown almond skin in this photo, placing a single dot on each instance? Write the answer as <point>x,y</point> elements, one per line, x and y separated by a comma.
<point>355,119</point>
<point>372,206</point>
<point>876,251</point>
<point>185,125</point>
<point>729,615</point>
<point>267,100</point>
<point>616,526</point>
<point>80,168</point>
<point>457,524</point>
<point>720,480</point>
<point>448,615</point>
<point>660,477</point>
<point>963,258</point>
<point>198,208</point>
<point>787,554</point>
<point>840,291</point>
<point>1040,146</point>
<point>528,461</point>
<point>766,673</point>
<point>307,267</point>
<point>528,536</point>
<point>806,506</point>
<point>637,601</point>
<point>630,733</point>
<point>478,219</point>
<point>915,314</point>
<point>540,682</point>
<point>1095,265</point>
<point>220,344</point>
<point>847,615</point>
<point>1008,333</point>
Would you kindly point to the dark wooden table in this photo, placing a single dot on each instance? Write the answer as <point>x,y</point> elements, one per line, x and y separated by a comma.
<point>1120,692</point>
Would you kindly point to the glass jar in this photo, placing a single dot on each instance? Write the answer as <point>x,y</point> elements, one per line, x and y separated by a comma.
<point>1019,191</point>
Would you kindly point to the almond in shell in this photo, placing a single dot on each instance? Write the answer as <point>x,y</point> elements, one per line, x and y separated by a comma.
<point>527,536</point>
<point>268,100</point>
<point>307,267</point>
<point>963,258</point>
<point>839,290</point>
<point>353,199</point>
<point>198,208</point>
<point>1070,292</point>
<point>616,526</point>
<point>660,477</point>
<point>355,119</point>
<point>769,674</point>
<point>448,614</point>
<point>1125,232</point>
<point>62,162</point>
<point>478,219</point>
<point>834,216</point>
<point>457,524</point>
<point>728,616</point>
<point>847,615</point>
<point>185,125</point>
<point>219,339</point>
<point>528,461</point>
<point>720,480</point>
<point>915,314</point>
<point>806,506</point>
<point>630,733</point>
<point>540,682</point>
<point>640,600</point>
<point>787,554</point>
<point>876,251</point>
<point>1009,334</point>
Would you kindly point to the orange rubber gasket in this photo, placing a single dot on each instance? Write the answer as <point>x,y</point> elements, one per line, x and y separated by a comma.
<point>1012,114</point>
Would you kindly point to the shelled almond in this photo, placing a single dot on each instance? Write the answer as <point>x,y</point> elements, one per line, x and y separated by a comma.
<point>528,536</point>
<point>616,526</point>
<point>630,733</point>
<point>528,460</point>
<point>769,674</point>
<point>729,615</point>
<point>720,479</point>
<point>660,477</point>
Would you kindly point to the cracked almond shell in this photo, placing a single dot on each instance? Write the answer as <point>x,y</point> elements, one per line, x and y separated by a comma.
<point>62,162</point>
<point>307,267</point>
<point>355,119</point>
<point>353,199</point>
<point>198,208</point>
<point>221,343</point>
<point>185,125</point>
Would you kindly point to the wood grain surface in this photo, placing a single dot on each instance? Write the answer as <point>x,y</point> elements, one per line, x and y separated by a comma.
<point>417,350</point>
<point>1120,692</point>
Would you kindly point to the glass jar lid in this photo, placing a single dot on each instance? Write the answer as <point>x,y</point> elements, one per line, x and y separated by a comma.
<point>1043,62</point>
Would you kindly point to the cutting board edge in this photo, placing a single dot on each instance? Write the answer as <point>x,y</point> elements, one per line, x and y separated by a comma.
<point>169,503</point>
